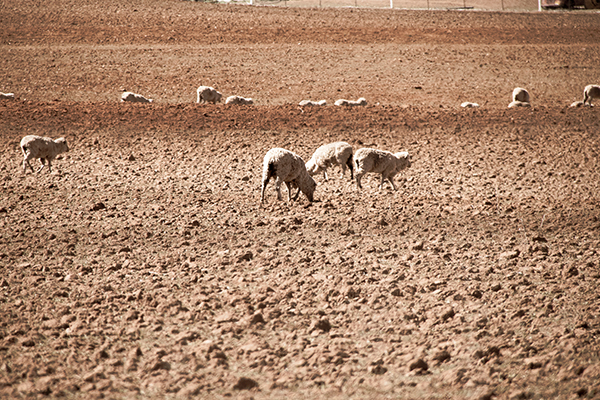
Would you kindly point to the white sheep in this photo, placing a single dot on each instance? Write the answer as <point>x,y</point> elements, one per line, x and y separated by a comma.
<point>289,168</point>
<point>351,103</point>
<point>43,148</point>
<point>337,153</point>
<point>520,94</point>
<point>134,98</point>
<point>468,104</point>
<point>7,96</point>
<point>207,94</point>
<point>309,103</point>
<point>578,103</point>
<point>517,103</point>
<point>590,93</point>
<point>380,162</point>
<point>238,100</point>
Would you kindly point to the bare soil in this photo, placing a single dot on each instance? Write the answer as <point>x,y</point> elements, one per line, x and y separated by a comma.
<point>143,266</point>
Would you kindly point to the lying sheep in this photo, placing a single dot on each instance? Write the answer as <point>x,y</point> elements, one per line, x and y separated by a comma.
<point>304,103</point>
<point>578,103</point>
<point>520,94</point>
<point>7,96</point>
<point>43,148</point>
<point>207,94</point>
<point>590,93</point>
<point>238,100</point>
<point>289,168</point>
<point>468,104</point>
<point>380,162</point>
<point>134,98</point>
<point>351,103</point>
<point>337,153</point>
<point>517,103</point>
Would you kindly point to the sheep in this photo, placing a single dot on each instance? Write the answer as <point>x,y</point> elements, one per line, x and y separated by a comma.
<point>520,94</point>
<point>207,94</point>
<point>381,162</point>
<point>134,98</point>
<point>590,93</point>
<point>43,148</point>
<point>304,103</point>
<point>351,103</point>
<point>468,104</point>
<point>238,100</point>
<point>288,167</point>
<point>517,103</point>
<point>578,103</point>
<point>7,96</point>
<point>337,153</point>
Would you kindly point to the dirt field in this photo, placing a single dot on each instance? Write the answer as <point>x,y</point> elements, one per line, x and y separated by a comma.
<point>143,266</point>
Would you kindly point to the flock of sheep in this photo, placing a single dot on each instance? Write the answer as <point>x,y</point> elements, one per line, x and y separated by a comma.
<point>289,168</point>
<point>284,165</point>
<point>207,94</point>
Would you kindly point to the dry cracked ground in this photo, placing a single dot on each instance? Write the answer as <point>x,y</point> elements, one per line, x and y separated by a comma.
<point>143,266</point>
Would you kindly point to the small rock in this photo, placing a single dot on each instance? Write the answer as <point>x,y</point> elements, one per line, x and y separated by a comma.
<point>323,325</point>
<point>419,365</point>
<point>246,256</point>
<point>377,369</point>
<point>442,356</point>
<point>245,384</point>
<point>418,245</point>
<point>131,158</point>
<point>257,319</point>
<point>98,206</point>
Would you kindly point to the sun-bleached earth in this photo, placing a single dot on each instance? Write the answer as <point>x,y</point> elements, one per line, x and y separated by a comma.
<point>143,265</point>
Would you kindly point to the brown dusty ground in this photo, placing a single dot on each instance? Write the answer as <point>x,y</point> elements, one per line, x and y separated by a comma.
<point>143,266</point>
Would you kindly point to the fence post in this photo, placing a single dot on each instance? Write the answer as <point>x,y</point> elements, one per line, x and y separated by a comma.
<point>391,3</point>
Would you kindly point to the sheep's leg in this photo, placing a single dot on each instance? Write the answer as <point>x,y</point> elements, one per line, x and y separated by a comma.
<point>325,174</point>
<point>49,164</point>
<point>289,189</point>
<point>265,182</point>
<point>392,182</point>
<point>43,161</point>
<point>298,192</point>
<point>358,178</point>
<point>278,188</point>
<point>382,180</point>
<point>25,163</point>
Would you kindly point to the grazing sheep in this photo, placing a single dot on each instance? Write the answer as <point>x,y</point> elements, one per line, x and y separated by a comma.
<point>7,96</point>
<point>134,98</point>
<point>468,104</point>
<point>304,103</point>
<point>578,103</point>
<point>351,103</point>
<point>206,94</point>
<point>520,94</point>
<point>238,100</point>
<point>590,93</point>
<point>43,148</point>
<point>518,103</point>
<point>337,153</point>
<point>289,168</point>
<point>380,162</point>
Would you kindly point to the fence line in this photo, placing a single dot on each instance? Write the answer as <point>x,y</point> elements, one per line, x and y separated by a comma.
<point>486,5</point>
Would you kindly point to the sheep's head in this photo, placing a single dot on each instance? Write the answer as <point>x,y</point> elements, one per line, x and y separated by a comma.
<point>312,167</point>
<point>62,142</point>
<point>362,101</point>
<point>309,190</point>
<point>404,159</point>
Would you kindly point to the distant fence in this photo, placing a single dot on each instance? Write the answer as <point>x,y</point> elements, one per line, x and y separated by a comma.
<point>488,5</point>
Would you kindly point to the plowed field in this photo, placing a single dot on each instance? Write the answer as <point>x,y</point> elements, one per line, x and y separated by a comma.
<point>143,266</point>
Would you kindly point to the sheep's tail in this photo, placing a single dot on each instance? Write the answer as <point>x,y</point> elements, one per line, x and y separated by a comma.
<point>350,164</point>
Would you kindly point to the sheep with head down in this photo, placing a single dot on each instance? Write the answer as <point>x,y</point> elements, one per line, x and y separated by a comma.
<point>289,168</point>
<point>337,153</point>
<point>134,98</point>
<point>207,94</point>
<point>380,162</point>
<point>351,103</point>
